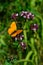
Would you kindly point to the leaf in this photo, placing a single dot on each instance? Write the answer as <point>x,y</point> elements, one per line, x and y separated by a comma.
<point>7,63</point>
<point>1,40</point>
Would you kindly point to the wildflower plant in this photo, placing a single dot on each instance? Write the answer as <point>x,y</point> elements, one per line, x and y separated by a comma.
<point>22,38</point>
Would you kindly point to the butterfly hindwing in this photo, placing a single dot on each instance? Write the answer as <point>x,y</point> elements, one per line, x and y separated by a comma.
<point>16,33</point>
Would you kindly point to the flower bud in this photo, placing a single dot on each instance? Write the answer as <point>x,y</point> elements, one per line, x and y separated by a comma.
<point>23,45</point>
<point>15,38</point>
<point>14,16</point>
<point>34,27</point>
<point>21,37</point>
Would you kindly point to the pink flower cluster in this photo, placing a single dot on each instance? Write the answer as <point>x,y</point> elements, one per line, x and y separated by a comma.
<point>34,27</point>
<point>24,14</point>
<point>19,37</point>
<point>23,45</point>
<point>27,15</point>
<point>14,15</point>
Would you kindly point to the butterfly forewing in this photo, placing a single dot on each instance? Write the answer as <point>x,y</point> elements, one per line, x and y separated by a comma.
<point>12,28</point>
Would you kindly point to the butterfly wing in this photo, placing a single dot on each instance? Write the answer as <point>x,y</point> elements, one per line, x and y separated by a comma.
<point>12,28</point>
<point>16,33</point>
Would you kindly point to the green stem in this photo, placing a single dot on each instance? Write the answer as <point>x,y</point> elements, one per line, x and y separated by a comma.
<point>25,36</point>
<point>25,33</point>
<point>42,31</point>
<point>39,16</point>
<point>28,56</point>
<point>20,54</point>
<point>32,45</point>
<point>23,60</point>
<point>33,48</point>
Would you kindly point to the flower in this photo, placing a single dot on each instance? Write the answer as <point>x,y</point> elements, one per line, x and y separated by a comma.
<point>27,15</point>
<point>15,38</point>
<point>34,27</point>
<point>19,37</point>
<point>14,16</point>
<point>23,45</point>
<point>30,16</point>
<point>23,13</point>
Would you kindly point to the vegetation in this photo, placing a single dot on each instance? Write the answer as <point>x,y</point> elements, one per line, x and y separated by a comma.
<point>26,50</point>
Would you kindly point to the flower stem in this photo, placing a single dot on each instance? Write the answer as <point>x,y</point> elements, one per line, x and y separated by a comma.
<point>28,56</point>
<point>25,36</point>
<point>25,33</point>
<point>23,60</point>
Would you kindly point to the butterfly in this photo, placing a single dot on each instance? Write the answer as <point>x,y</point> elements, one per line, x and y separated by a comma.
<point>13,30</point>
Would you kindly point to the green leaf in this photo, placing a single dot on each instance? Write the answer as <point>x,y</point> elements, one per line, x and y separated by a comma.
<point>7,63</point>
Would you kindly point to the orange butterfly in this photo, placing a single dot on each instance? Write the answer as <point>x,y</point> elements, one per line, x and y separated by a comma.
<point>13,30</point>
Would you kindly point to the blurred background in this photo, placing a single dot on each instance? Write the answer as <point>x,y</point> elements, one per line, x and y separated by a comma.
<point>7,7</point>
